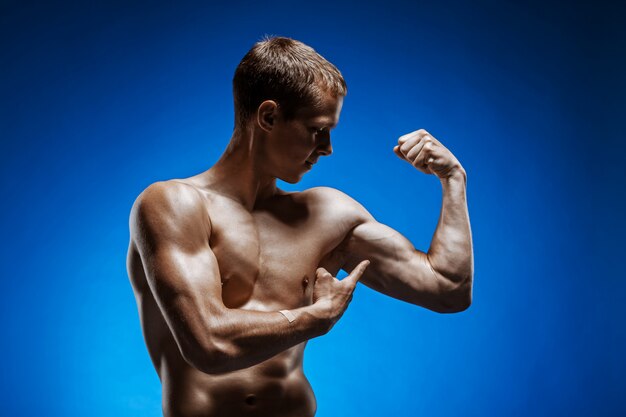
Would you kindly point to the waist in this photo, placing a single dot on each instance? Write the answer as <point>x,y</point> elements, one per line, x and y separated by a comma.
<point>247,392</point>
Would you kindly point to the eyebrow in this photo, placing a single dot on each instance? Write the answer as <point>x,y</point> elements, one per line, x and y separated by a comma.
<point>328,122</point>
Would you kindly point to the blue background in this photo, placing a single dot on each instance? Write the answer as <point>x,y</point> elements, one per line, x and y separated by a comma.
<point>100,99</point>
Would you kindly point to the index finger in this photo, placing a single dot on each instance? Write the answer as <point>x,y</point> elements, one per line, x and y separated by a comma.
<point>396,150</point>
<point>357,273</point>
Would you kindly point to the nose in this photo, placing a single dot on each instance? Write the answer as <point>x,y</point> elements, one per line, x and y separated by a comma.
<point>325,148</point>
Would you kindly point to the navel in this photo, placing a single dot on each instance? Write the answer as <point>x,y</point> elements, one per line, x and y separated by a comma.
<point>251,399</point>
<point>305,283</point>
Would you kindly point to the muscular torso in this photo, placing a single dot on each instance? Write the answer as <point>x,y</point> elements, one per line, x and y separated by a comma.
<point>267,260</point>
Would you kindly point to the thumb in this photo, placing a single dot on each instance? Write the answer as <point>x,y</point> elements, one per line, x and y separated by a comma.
<point>357,273</point>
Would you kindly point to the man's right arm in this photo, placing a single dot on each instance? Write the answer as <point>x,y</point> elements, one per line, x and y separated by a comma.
<point>171,229</point>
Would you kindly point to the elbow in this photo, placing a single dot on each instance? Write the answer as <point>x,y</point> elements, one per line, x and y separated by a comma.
<point>456,298</point>
<point>213,357</point>
<point>460,305</point>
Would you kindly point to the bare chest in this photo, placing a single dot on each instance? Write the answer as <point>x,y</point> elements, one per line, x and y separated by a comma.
<point>268,258</point>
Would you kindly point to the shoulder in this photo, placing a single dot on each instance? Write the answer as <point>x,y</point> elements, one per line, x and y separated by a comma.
<point>336,203</point>
<point>168,196</point>
<point>168,205</point>
<point>329,195</point>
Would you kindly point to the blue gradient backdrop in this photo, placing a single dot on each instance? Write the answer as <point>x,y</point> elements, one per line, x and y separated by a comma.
<point>100,99</point>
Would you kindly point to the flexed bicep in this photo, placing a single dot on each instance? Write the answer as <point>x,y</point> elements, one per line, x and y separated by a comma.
<point>397,268</point>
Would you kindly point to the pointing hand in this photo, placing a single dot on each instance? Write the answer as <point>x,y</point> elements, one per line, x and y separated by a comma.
<point>332,296</point>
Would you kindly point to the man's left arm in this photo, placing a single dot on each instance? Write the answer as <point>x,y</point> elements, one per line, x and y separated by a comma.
<point>440,279</point>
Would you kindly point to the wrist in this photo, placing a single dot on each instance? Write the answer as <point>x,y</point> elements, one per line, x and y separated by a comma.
<point>457,173</point>
<point>319,318</point>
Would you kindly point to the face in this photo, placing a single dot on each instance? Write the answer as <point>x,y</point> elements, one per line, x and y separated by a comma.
<point>294,146</point>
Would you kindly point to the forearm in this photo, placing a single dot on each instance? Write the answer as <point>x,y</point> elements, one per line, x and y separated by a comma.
<point>243,338</point>
<point>451,253</point>
<point>255,336</point>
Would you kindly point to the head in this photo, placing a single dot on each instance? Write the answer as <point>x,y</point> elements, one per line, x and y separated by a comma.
<point>292,96</point>
<point>286,71</point>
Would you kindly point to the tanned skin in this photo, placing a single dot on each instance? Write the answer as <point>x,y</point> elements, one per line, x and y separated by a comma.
<point>213,259</point>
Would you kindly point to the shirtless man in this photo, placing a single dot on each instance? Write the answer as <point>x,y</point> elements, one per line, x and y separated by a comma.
<point>232,275</point>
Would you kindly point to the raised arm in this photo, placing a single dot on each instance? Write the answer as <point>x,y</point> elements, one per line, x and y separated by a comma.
<point>171,230</point>
<point>440,279</point>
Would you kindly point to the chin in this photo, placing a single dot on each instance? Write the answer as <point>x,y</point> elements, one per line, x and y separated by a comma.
<point>292,178</point>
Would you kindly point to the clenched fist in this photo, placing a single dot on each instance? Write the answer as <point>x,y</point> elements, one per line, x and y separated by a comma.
<point>427,154</point>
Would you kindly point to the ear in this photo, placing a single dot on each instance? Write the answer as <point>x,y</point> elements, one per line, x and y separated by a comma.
<point>266,115</point>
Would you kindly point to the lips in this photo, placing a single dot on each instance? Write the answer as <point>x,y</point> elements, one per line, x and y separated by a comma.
<point>310,162</point>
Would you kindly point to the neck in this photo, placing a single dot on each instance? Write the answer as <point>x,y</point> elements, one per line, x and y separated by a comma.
<point>239,174</point>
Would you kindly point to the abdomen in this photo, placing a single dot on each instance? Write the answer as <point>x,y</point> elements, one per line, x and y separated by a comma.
<point>276,387</point>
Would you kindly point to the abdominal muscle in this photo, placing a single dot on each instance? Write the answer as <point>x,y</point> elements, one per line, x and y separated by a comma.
<point>275,387</point>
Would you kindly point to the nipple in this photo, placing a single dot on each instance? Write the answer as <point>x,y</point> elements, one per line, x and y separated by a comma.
<point>251,399</point>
